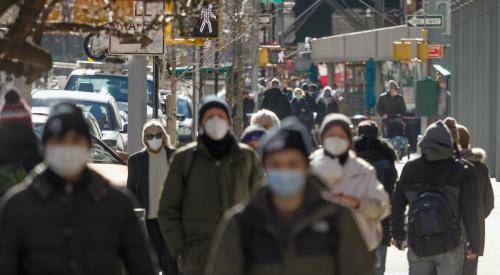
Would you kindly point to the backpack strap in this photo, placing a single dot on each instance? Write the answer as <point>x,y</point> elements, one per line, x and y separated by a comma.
<point>188,164</point>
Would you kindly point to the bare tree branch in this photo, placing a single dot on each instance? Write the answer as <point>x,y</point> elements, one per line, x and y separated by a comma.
<point>37,36</point>
<point>5,5</point>
<point>28,15</point>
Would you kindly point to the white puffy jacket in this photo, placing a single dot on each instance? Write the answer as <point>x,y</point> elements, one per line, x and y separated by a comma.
<point>357,178</point>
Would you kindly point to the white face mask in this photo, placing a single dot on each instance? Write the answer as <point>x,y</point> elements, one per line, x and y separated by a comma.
<point>66,160</point>
<point>155,144</point>
<point>336,146</point>
<point>216,128</point>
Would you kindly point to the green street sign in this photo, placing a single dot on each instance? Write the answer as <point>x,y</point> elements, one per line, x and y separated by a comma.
<point>272,1</point>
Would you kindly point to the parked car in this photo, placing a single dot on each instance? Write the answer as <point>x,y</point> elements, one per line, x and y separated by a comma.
<point>103,160</point>
<point>103,107</point>
<point>105,81</point>
<point>39,116</point>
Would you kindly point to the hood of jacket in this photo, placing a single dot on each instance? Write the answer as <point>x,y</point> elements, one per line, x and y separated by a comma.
<point>474,154</point>
<point>437,143</point>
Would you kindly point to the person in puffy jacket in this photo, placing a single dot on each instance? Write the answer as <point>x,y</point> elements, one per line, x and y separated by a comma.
<point>349,180</point>
<point>382,157</point>
<point>67,219</point>
<point>477,157</point>
<point>287,228</point>
<point>301,109</point>
<point>19,152</point>
<point>277,101</point>
<point>205,178</point>
<point>439,168</point>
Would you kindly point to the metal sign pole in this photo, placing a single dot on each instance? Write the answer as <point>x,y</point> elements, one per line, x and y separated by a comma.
<point>156,80</point>
<point>196,99</point>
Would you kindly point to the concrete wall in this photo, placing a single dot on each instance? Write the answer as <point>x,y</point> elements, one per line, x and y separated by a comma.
<point>475,73</point>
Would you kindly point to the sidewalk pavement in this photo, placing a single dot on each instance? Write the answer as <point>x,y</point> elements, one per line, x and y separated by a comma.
<point>489,264</point>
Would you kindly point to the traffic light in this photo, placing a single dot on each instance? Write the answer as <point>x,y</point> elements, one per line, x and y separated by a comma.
<point>402,50</point>
<point>277,56</point>
<point>198,23</point>
<point>263,57</point>
<point>423,51</point>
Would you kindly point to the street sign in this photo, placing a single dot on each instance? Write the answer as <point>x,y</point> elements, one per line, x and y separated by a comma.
<point>436,51</point>
<point>421,21</point>
<point>149,43</point>
<point>265,19</point>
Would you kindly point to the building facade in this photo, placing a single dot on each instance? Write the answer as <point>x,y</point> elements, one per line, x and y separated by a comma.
<point>475,73</point>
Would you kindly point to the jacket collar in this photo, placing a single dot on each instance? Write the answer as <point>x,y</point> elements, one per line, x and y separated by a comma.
<point>473,155</point>
<point>231,155</point>
<point>47,184</point>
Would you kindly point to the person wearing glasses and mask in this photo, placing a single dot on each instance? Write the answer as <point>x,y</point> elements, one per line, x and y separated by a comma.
<point>65,218</point>
<point>350,181</point>
<point>147,171</point>
<point>287,227</point>
<point>205,178</point>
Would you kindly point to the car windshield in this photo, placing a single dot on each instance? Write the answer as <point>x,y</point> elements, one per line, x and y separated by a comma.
<point>98,152</point>
<point>116,86</point>
<point>183,108</point>
<point>101,111</point>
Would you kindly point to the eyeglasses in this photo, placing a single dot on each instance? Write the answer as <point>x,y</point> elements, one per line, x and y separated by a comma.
<point>157,136</point>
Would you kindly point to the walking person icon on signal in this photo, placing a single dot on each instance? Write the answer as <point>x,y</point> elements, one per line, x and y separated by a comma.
<point>206,15</point>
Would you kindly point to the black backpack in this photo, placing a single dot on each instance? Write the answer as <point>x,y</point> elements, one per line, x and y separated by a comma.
<point>432,226</point>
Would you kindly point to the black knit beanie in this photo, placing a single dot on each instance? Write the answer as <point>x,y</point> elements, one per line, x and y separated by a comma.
<point>63,118</point>
<point>213,102</point>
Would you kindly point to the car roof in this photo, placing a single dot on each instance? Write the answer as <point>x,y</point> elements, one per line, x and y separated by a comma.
<point>82,72</point>
<point>72,95</point>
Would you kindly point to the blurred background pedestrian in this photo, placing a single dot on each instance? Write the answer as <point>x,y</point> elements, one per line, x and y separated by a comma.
<point>147,172</point>
<point>67,219</point>
<point>19,152</point>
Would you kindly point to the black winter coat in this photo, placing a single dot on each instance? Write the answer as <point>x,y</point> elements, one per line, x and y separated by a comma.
<point>382,156</point>
<point>302,110</point>
<point>18,155</point>
<point>276,101</point>
<point>326,106</point>
<point>461,191</point>
<point>49,227</point>
<point>393,106</point>
<point>486,196</point>
<point>138,176</point>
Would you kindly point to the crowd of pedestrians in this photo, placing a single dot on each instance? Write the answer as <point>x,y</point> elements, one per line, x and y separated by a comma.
<point>271,201</point>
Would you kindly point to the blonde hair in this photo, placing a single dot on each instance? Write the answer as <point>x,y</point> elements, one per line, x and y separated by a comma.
<point>155,123</point>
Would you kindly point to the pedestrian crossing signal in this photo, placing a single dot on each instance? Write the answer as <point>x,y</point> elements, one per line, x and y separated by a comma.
<point>202,22</point>
<point>402,50</point>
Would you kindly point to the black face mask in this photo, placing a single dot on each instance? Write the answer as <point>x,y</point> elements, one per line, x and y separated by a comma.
<point>218,148</point>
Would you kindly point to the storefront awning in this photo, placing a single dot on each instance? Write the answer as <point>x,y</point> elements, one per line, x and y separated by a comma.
<point>441,70</point>
<point>360,46</point>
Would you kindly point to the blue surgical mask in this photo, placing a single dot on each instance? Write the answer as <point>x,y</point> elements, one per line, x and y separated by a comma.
<point>286,183</point>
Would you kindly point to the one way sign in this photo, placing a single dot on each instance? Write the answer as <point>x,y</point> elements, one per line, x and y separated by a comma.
<point>146,43</point>
<point>424,21</point>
